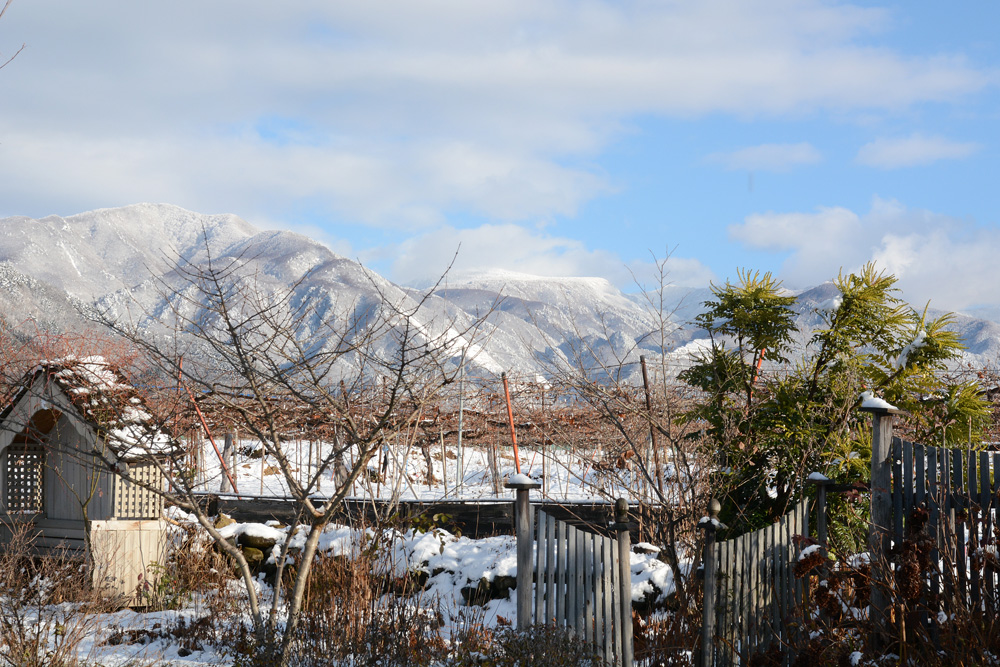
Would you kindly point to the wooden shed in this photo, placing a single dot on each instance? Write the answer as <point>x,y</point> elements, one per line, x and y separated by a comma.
<point>65,438</point>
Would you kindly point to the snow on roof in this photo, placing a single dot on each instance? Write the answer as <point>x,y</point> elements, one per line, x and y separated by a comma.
<point>107,400</point>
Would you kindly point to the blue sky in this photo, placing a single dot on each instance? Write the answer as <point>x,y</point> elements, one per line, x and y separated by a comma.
<point>552,137</point>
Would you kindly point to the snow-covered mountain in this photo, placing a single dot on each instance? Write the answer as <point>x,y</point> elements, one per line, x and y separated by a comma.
<point>130,262</point>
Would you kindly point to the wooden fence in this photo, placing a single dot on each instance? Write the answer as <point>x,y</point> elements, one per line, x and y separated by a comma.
<point>958,491</point>
<point>752,597</point>
<point>917,491</point>
<point>582,580</point>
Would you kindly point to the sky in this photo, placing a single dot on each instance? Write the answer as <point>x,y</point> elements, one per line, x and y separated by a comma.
<point>550,137</point>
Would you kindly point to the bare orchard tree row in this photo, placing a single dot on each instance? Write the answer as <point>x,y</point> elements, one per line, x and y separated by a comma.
<point>258,353</point>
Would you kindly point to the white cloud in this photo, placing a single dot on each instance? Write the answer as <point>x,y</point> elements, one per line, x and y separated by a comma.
<point>406,112</point>
<point>768,157</point>
<point>412,188</point>
<point>913,151</point>
<point>938,258</point>
<point>422,259</point>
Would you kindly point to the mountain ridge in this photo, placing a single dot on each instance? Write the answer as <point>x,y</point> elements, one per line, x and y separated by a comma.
<point>130,262</point>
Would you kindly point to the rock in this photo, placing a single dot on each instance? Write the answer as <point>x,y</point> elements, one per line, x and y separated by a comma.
<point>477,595</point>
<point>256,541</point>
<point>502,586</point>
<point>254,557</point>
<point>224,520</point>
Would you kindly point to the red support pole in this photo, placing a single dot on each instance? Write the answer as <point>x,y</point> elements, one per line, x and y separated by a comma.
<point>510,418</point>
<point>201,417</point>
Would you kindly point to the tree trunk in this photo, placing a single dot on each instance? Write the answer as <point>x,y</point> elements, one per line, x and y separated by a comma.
<point>299,592</point>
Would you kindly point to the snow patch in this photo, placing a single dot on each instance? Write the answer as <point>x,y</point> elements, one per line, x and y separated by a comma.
<point>873,402</point>
<point>917,343</point>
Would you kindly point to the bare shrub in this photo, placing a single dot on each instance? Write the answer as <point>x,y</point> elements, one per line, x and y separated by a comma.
<point>352,613</point>
<point>538,645</point>
<point>47,608</point>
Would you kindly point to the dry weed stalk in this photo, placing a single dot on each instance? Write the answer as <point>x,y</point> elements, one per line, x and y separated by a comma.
<point>47,610</point>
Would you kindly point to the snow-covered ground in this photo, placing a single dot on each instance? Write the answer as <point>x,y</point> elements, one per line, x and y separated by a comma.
<point>129,637</point>
<point>451,563</point>
<point>564,474</point>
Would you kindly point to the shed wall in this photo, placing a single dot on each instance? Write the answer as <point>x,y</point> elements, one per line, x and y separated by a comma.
<point>72,478</point>
<point>123,553</point>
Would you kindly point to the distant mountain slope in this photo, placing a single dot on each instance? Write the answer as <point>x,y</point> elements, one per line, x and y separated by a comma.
<point>24,300</point>
<point>91,254</point>
<point>122,261</point>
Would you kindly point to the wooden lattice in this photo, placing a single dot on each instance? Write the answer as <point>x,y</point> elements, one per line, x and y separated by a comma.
<point>135,501</point>
<point>24,479</point>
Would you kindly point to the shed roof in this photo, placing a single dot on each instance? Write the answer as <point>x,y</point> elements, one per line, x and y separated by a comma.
<point>106,401</point>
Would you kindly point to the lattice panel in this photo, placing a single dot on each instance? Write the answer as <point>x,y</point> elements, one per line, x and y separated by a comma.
<point>133,501</point>
<point>24,479</point>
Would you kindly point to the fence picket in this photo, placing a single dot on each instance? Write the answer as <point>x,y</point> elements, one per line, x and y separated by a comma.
<point>588,586</point>
<point>579,605</point>
<point>961,508</point>
<point>563,574</point>
<point>994,572</point>
<point>934,517</point>
<point>571,577</point>
<point>945,462</point>
<point>726,624</point>
<point>550,569</point>
<point>986,512</point>
<point>600,638</point>
<point>540,553</point>
<point>616,606</point>
<point>740,578</point>
<point>972,528</point>
<point>802,521</point>
<point>773,563</point>
<point>896,452</point>
<point>607,601</point>
<point>757,588</point>
<point>920,456</point>
<point>907,481</point>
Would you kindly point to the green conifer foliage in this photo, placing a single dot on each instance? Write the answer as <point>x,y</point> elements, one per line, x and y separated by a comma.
<point>769,429</point>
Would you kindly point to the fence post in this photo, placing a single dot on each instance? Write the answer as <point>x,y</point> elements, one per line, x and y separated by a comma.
<point>821,481</point>
<point>709,524</point>
<point>523,520</point>
<point>228,457</point>
<point>625,580</point>
<point>881,516</point>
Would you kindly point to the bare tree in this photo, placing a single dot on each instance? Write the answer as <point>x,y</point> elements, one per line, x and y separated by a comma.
<point>4,62</point>
<point>264,359</point>
<point>648,450</point>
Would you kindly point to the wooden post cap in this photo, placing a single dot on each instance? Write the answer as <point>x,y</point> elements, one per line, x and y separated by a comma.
<point>621,510</point>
